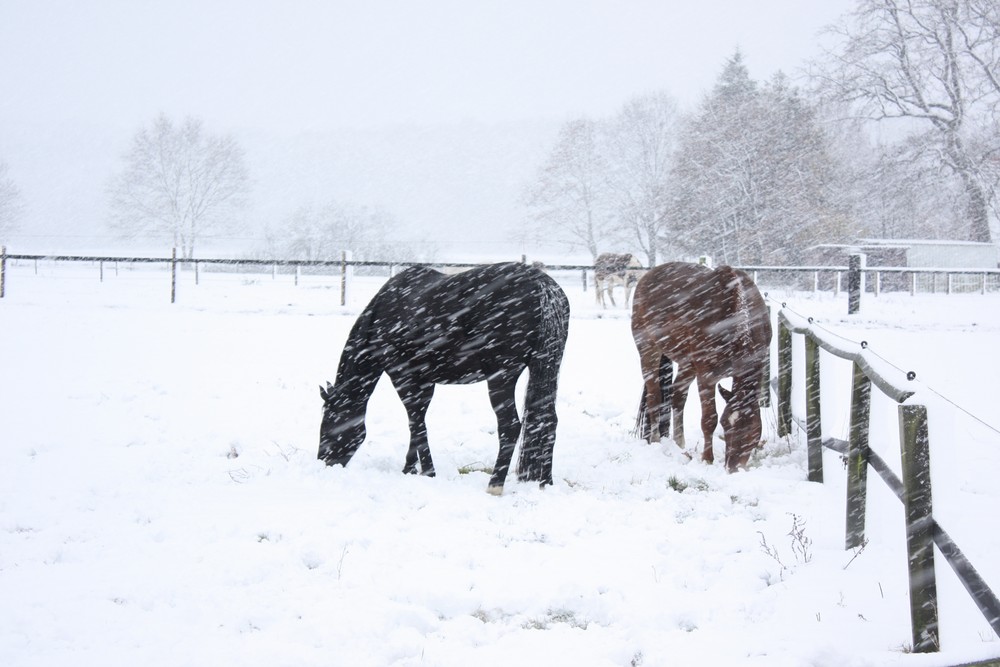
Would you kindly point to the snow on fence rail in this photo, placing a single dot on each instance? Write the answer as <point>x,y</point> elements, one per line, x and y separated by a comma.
<point>816,278</point>
<point>923,531</point>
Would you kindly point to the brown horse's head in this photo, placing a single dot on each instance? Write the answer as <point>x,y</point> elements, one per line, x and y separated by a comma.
<point>741,420</point>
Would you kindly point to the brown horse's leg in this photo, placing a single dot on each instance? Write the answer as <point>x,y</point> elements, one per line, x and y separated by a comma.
<point>682,384</point>
<point>709,416</point>
<point>649,359</point>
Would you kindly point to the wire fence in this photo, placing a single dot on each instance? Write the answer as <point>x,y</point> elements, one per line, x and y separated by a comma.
<point>834,279</point>
<point>913,487</point>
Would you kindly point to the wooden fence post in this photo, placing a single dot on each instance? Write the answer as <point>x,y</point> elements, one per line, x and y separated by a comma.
<point>784,379</point>
<point>173,276</point>
<point>857,459</point>
<point>3,269</point>
<point>765,376</point>
<point>855,282</point>
<point>343,277</point>
<point>814,426</point>
<point>916,469</point>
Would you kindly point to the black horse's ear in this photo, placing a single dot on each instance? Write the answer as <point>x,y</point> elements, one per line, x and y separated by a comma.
<point>725,393</point>
<point>325,392</point>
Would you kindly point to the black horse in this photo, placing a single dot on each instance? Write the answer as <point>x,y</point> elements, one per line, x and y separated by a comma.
<point>424,328</point>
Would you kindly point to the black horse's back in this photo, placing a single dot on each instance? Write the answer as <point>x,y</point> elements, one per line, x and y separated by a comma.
<point>465,327</point>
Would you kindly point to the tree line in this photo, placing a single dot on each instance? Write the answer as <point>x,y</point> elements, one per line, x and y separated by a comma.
<point>758,173</point>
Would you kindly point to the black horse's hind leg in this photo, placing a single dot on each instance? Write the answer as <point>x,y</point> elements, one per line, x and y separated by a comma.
<point>508,428</point>
<point>535,464</point>
<point>540,420</point>
<point>416,399</point>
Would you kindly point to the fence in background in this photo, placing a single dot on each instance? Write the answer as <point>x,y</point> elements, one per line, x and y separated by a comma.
<point>923,531</point>
<point>859,279</point>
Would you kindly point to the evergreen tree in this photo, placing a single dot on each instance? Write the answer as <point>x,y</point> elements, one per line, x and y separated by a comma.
<point>752,178</point>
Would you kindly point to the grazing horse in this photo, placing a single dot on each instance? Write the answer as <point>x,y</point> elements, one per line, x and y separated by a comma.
<point>423,328</point>
<point>714,324</point>
<point>611,269</point>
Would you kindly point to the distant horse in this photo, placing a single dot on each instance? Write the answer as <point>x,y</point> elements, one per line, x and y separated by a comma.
<point>611,269</point>
<point>423,328</point>
<point>714,324</point>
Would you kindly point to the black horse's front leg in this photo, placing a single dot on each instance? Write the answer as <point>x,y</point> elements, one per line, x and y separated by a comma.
<point>416,399</point>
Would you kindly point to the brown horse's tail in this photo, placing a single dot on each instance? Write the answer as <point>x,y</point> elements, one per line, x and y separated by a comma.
<point>641,429</point>
<point>642,425</point>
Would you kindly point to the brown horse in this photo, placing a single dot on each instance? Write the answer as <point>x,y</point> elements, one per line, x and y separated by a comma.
<point>713,324</point>
<point>612,269</point>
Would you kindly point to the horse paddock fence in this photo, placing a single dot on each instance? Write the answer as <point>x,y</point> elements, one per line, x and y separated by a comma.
<point>912,488</point>
<point>856,280</point>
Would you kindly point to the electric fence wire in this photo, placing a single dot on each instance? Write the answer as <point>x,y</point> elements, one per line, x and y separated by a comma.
<point>864,345</point>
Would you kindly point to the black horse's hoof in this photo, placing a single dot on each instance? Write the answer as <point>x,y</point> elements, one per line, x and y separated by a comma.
<point>333,462</point>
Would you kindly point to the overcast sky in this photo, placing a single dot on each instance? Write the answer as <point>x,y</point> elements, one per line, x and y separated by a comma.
<point>295,79</point>
<point>315,64</point>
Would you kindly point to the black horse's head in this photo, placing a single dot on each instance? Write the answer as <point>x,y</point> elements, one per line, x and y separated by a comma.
<point>343,428</point>
<point>741,421</point>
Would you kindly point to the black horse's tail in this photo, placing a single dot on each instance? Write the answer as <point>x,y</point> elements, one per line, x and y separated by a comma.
<point>643,429</point>
<point>538,434</point>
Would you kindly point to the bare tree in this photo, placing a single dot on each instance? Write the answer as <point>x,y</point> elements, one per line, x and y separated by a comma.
<point>642,141</point>
<point>569,197</point>
<point>323,233</point>
<point>11,203</point>
<point>932,66</point>
<point>178,181</point>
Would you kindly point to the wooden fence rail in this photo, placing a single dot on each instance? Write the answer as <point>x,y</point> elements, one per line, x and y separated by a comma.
<point>914,489</point>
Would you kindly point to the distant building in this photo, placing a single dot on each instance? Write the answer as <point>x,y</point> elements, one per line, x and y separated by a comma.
<point>923,254</point>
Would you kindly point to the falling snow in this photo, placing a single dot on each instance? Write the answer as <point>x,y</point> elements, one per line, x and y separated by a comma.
<point>161,502</point>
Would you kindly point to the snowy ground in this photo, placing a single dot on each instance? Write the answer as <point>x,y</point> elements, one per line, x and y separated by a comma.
<point>161,503</point>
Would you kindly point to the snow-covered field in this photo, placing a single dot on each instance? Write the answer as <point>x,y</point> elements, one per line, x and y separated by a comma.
<point>161,502</point>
